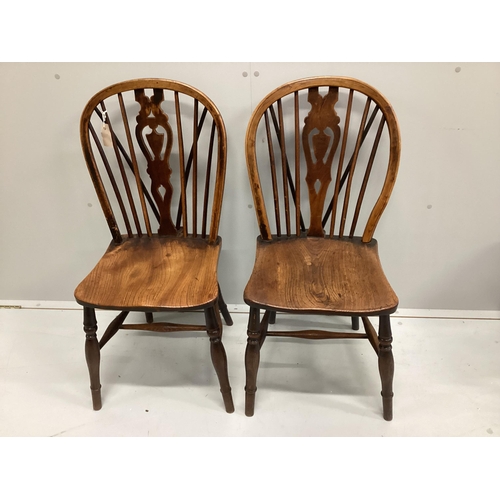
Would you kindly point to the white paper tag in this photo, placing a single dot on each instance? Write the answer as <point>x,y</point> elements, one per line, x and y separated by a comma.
<point>106,135</point>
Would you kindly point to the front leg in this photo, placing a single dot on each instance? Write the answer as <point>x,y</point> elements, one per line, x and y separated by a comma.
<point>386,364</point>
<point>218,354</point>
<point>252,359</point>
<point>92,355</point>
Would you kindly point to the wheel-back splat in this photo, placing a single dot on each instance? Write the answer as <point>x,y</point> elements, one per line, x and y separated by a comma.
<point>157,154</point>
<point>320,138</point>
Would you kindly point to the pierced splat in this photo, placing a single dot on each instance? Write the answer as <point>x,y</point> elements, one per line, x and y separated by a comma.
<point>320,138</point>
<point>157,154</point>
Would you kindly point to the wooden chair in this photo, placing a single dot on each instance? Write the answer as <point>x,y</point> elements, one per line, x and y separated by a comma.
<point>295,136</point>
<point>156,153</point>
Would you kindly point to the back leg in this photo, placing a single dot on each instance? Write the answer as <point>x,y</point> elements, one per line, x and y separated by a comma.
<point>223,309</point>
<point>272,317</point>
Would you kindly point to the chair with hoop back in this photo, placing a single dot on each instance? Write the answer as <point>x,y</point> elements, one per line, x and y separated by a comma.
<point>295,136</point>
<point>156,153</point>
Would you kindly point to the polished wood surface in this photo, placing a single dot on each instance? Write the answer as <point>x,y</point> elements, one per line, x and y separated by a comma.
<point>322,157</point>
<point>153,273</point>
<point>319,150</point>
<point>320,275</point>
<point>159,171</point>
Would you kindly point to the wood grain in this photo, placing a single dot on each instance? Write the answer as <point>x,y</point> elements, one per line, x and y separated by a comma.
<point>153,273</point>
<point>152,117</point>
<point>319,150</point>
<point>320,275</point>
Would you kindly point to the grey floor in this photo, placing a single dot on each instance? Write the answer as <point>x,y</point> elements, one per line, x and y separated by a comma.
<point>447,383</point>
<point>447,380</point>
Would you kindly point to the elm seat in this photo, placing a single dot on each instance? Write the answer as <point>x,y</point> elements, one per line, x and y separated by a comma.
<point>320,275</point>
<point>152,274</point>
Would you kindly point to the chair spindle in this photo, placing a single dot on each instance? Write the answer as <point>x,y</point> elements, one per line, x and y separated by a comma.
<point>284,167</point>
<point>112,179</point>
<point>181,164</point>
<point>135,165</point>
<point>128,161</point>
<point>366,176</point>
<point>188,166</point>
<point>338,182</point>
<point>195,168</point>
<point>123,174</point>
<point>273,175</point>
<point>288,173</point>
<point>348,168</point>
<point>353,166</point>
<point>297,164</point>
<point>207,181</point>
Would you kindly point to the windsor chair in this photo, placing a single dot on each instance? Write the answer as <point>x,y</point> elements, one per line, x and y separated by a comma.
<point>294,137</point>
<point>165,244</point>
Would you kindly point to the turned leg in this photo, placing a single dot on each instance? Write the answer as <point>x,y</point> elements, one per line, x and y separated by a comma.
<point>223,309</point>
<point>92,355</point>
<point>355,322</point>
<point>149,317</point>
<point>386,364</point>
<point>218,354</point>
<point>252,358</point>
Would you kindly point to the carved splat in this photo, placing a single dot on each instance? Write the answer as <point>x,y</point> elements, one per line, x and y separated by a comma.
<point>320,138</point>
<point>157,154</point>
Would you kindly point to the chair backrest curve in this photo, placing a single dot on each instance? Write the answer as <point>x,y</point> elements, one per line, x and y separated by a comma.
<point>313,148</point>
<point>156,152</point>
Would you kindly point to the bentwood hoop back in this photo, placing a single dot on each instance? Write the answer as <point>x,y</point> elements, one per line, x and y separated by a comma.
<point>322,156</point>
<point>156,153</point>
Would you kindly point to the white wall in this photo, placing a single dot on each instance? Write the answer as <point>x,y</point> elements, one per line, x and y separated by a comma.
<point>439,237</point>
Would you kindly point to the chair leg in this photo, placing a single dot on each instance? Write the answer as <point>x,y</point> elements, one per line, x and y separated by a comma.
<point>218,354</point>
<point>223,309</point>
<point>355,322</point>
<point>252,358</point>
<point>92,355</point>
<point>264,327</point>
<point>149,317</point>
<point>272,317</point>
<point>386,364</point>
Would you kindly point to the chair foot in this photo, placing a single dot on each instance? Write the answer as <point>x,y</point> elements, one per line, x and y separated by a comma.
<point>387,407</point>
<point>227,397</point>
<point>249,403</point>
<point>149,317</point>
<point>386,365</point>
<point>96,399</point>
<point>355,322</point>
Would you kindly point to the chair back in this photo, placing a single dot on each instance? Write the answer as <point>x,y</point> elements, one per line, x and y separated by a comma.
<point>156,152</point>
<point>322,154</point>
